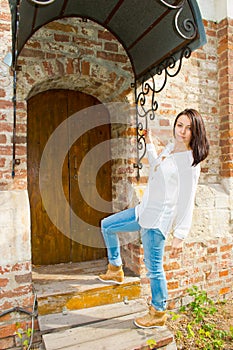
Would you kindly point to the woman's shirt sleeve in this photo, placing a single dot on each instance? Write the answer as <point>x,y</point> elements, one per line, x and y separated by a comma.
<point>185,204</point>
<point>151,153</point>
<point>153,157</point>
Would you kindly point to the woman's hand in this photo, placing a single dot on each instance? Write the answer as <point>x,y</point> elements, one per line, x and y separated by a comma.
<point>177,245</point>
<point>147,135</point>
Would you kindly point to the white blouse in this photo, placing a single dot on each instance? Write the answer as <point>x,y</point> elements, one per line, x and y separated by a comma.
<point>168,200</point>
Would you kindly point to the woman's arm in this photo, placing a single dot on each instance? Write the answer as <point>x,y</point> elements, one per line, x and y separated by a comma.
<point>150,147</point>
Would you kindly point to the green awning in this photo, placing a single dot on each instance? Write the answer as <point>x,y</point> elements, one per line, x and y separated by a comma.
<point>149,30</point>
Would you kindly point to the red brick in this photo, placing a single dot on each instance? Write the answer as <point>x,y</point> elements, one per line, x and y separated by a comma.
<point>211,32</point>
<point>112,57</point>
<point>61,37</point>
<point>34,44</point>
<point>223,273</point>
<point>48,67</point>
<point>172,266</point>
<point>7,330</point>
<point>164,122</point>
<point>85,68</point>
<point>212,258</point>
<point>111,47</point>
<point>21,128</point>
<point>6,127</point>
<point>2,93</point>
<point>212,250</point>
<point>23,278</point>
<point>38,54</point>
<point>226,256</point>
<point>169,275</point>
<point>70,66</point>
<point>226,173</point>
<point>50,55</point>
<point>172,285</point>
<point>4,282</point>
<point>5,104</point>
<point>16,292</point>
<point>105,35</point>
<point>20,139</point>
<point>224,290</point>
<point>3,138</point>
<point>5,150</point>
<point>226,248</point>
<point>226,166</point>
<point>7,343</point>
<point>2,162</point>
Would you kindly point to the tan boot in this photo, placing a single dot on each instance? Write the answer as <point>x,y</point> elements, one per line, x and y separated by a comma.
<point>153,319</point>
<point>114,274</point>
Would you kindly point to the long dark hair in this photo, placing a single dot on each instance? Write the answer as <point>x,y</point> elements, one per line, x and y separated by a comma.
<point>199,143</point>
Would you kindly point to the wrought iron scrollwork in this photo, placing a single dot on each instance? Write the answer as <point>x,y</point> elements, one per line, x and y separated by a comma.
<point>145,99</point>
<point>186,29</point>
<point>42,2</point>
<point>173,5</point>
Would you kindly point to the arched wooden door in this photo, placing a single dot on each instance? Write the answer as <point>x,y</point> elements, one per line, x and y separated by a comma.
<point>46,111</point>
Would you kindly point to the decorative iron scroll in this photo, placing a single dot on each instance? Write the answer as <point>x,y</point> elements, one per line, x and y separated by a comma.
<point>188,25</point>
<point>145,99</point>
<point>42,2</point>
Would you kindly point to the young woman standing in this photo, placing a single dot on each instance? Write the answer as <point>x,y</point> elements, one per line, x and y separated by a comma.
<point>167,204</point>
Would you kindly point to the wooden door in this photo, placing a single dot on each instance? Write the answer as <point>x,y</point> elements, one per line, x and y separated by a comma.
<point>46,111</point>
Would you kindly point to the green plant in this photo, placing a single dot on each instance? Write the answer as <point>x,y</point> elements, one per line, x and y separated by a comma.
<point>202,305</point>
<point>205,335</point>
<point>24,335</point>
<point>174,315</point>
<point>231,331</point>
<point>151,342</point>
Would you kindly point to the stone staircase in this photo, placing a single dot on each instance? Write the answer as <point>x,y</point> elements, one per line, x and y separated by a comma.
<point>77,311</point>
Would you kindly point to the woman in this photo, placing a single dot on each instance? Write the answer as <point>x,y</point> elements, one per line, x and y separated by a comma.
<point>167,204</point>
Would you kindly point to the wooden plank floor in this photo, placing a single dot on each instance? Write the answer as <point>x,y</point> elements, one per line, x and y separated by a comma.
<point>102,327</point>
<point>71,277</point>
<point>76,286</point>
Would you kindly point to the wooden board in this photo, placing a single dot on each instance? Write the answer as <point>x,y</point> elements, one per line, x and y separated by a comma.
<point>115,333</point>
<point>77,318</point>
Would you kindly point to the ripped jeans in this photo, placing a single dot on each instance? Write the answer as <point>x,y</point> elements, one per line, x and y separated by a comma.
<point>153,244</point>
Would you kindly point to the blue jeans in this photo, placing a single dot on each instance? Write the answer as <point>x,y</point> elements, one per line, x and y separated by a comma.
<point>153,244</point>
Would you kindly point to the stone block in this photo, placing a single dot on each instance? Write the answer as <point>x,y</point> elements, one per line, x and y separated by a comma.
<point>14,227</point>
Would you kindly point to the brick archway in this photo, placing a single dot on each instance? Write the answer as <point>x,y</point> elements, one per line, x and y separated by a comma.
<point>76,55</point>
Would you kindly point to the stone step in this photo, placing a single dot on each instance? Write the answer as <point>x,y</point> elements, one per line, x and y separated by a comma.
<point>75,286</point>
<point>102,327</point>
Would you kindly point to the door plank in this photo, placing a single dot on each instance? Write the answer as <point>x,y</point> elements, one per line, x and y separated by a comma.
<point>49,246</point>
<point>45,113</point>
<point>90,217</point>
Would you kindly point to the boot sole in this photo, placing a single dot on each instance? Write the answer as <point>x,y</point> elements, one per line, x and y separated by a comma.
<point>110,281</point>
<point>147,327</point>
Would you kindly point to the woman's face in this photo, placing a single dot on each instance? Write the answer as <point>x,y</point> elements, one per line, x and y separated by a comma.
<point>183,130</point>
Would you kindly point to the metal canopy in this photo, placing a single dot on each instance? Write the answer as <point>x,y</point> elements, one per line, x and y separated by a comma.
<point>150,30</point>
<point>155,34</point>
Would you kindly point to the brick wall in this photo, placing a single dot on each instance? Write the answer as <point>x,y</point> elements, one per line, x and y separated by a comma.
<point>81,55</point>
<point>225,79</point>
<point>204,83</point>
<point>15,263</point>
